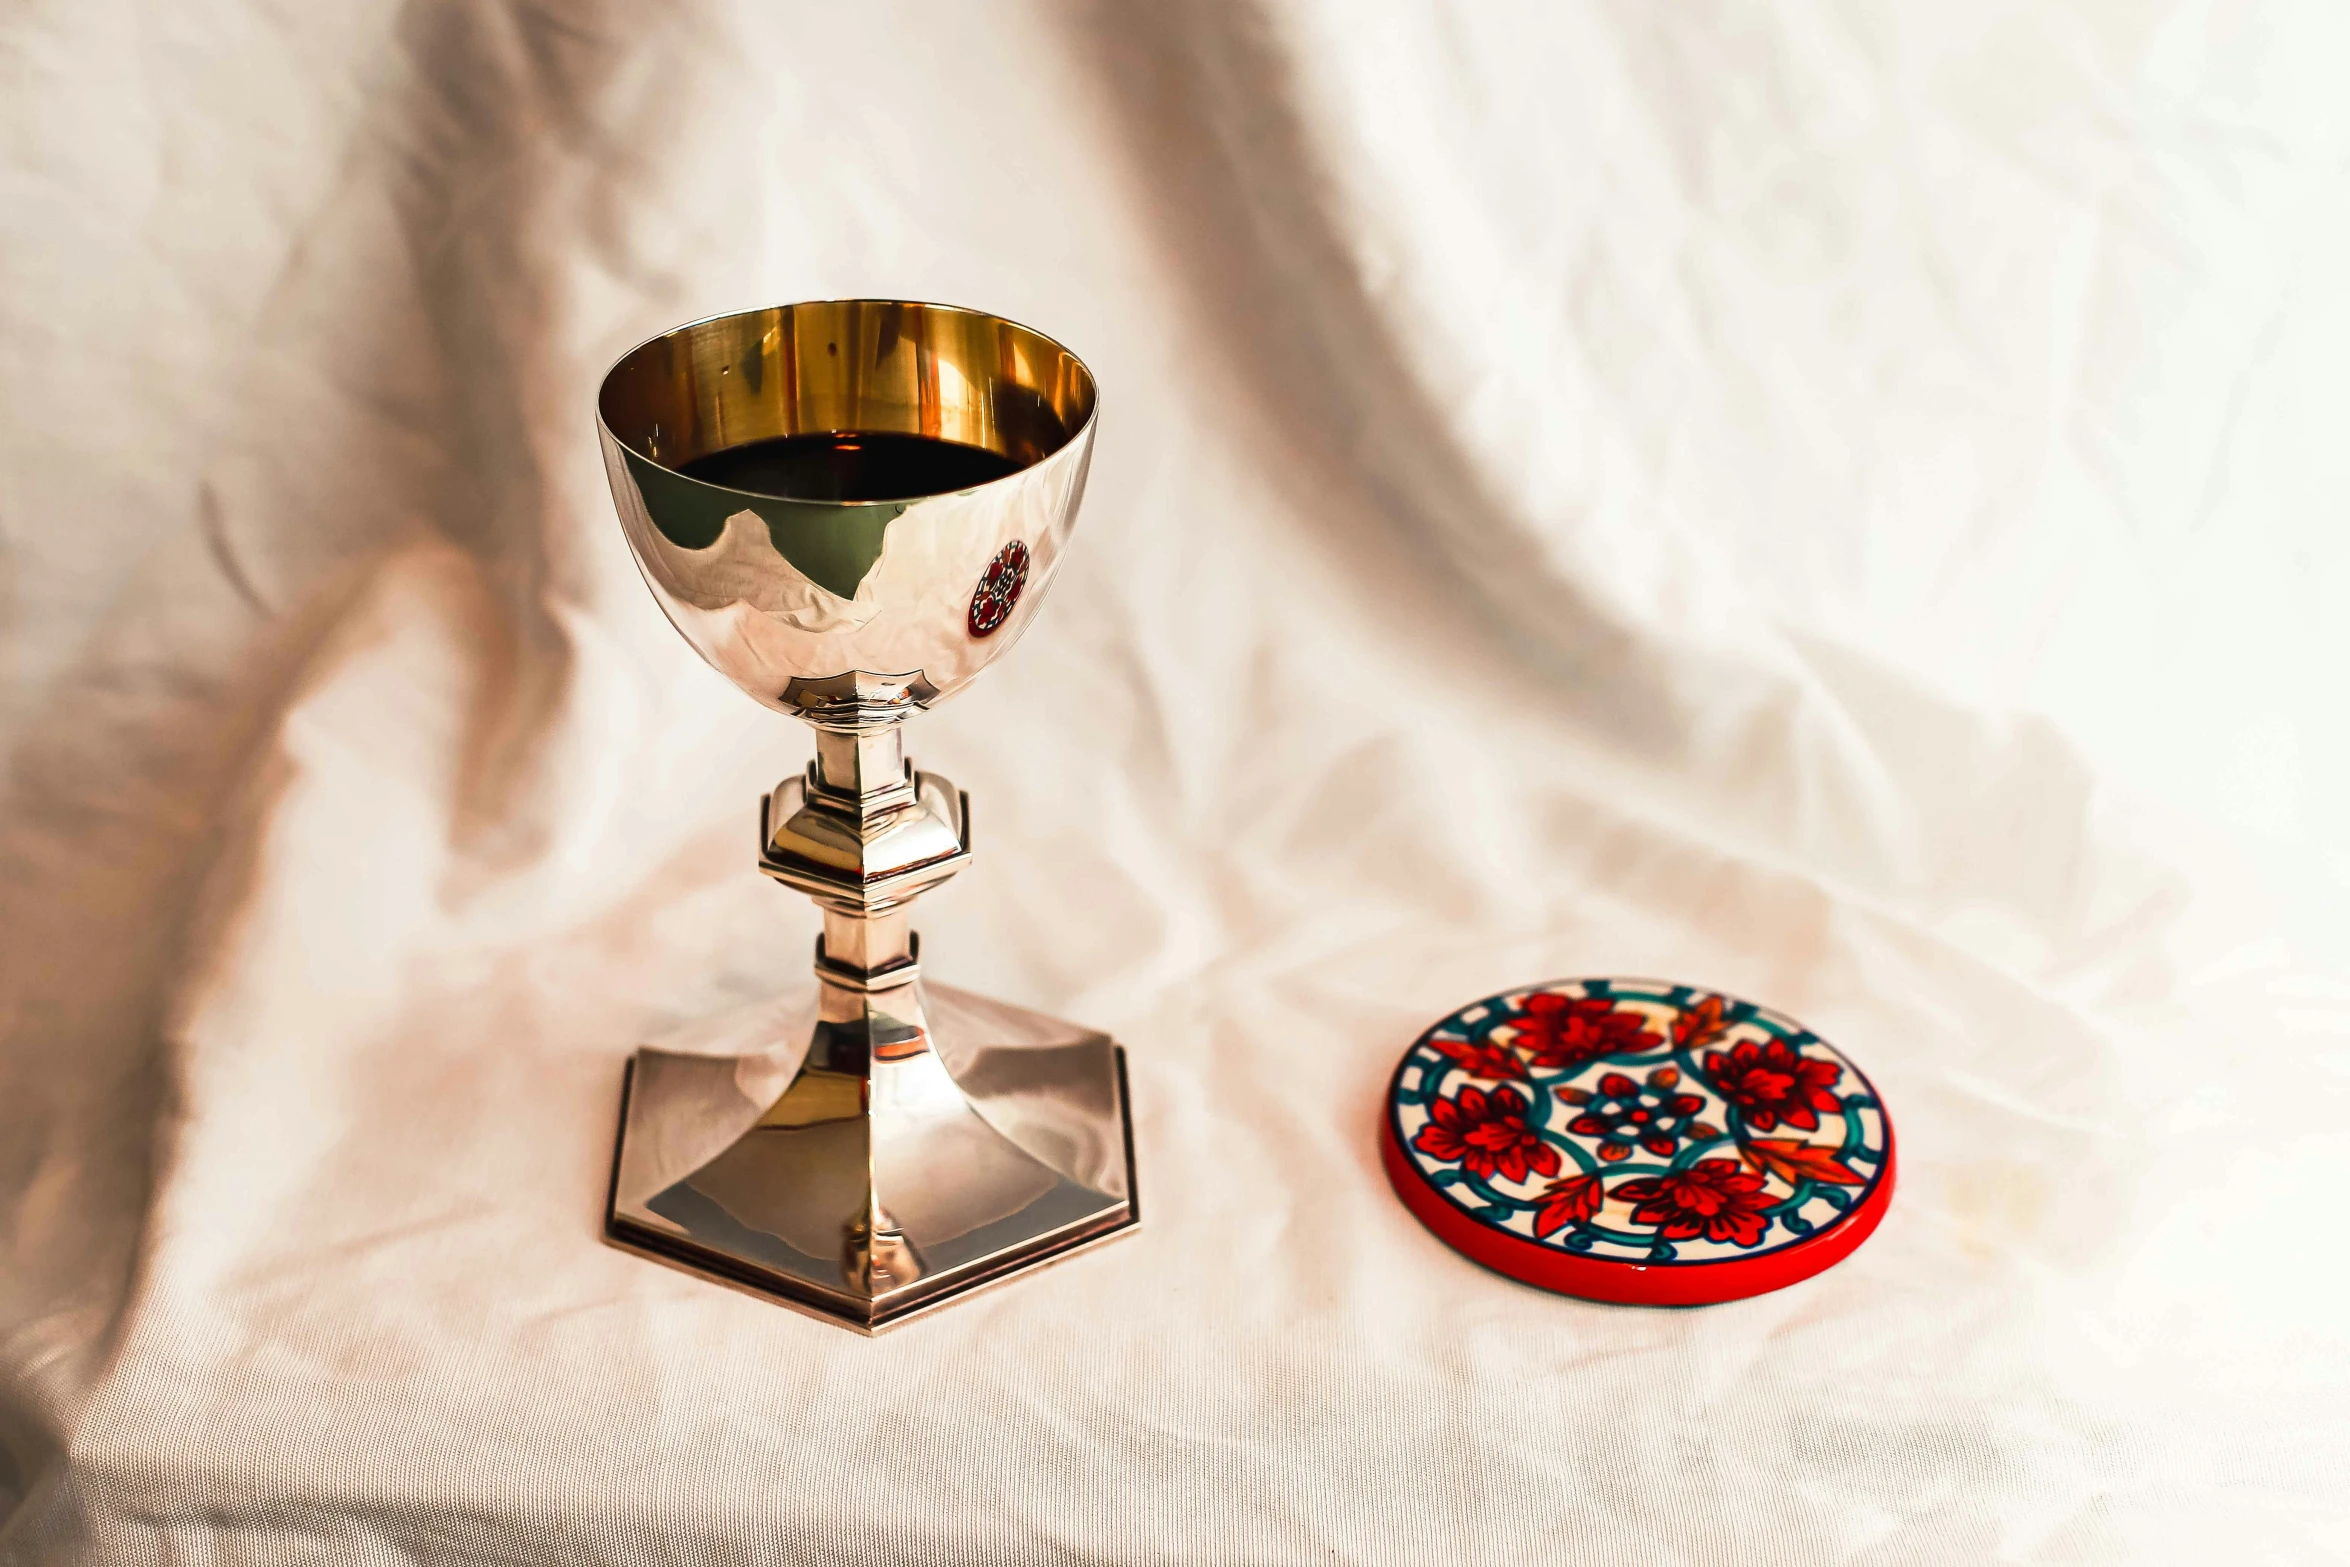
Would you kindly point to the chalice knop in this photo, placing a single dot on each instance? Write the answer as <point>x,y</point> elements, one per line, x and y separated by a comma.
<point>850,508</point>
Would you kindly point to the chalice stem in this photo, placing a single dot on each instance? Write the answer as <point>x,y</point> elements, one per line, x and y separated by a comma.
<point>876,1182</point>
<point>882,1181</point>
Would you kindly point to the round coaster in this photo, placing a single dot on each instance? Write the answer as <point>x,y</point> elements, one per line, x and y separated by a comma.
<point>1632,1141</point>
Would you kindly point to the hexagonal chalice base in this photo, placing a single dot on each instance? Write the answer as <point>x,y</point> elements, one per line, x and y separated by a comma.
<point>877,1186</point>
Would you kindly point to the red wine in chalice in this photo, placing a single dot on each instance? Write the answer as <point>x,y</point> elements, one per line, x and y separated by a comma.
<point>842,465</point>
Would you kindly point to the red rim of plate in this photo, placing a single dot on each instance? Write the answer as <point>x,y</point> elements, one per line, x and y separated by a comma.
<point>1618,1281</point>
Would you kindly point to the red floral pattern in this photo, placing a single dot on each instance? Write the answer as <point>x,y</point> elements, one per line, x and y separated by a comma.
<point>1719,1199</point>
<point>1487,1135</point>
<point>1484,1058</point>
<point>1768,1083</point>
<point>1699,1024</point>
<point>1569,1202</point>
<point>1621,1113</point>
<point>1584,1135</point>
<point>1555,1032</point>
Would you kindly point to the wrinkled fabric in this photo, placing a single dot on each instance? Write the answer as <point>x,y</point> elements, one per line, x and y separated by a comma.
<point>1842,506</point>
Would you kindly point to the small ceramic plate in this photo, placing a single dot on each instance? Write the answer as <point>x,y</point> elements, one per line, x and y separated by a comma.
<point>1639,1142</point>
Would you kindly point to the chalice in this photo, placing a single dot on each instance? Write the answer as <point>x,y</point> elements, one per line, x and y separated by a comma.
<point>850,508</point>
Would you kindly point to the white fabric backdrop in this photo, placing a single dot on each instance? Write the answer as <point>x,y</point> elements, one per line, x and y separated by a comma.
<point>1845,505</point>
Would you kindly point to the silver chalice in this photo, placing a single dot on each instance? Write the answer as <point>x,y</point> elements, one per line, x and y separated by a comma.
<point>850,508</point>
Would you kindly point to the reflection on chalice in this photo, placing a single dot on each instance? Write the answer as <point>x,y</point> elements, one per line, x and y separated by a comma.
<point>850,508</point>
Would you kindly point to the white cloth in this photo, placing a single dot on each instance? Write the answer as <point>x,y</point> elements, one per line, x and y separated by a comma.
<point>1842,506</point>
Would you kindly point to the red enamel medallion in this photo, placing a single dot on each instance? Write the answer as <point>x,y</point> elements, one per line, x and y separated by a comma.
<point>999,588</point>
<point>1637,1142</point>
